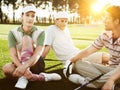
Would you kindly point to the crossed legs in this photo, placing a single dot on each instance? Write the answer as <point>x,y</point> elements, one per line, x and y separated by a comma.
<point>26,52</point>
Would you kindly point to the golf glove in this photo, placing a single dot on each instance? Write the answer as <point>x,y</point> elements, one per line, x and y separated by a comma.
<point>68,68</point>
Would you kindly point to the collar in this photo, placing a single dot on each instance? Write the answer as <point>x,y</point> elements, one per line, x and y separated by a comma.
<point>21,29</point>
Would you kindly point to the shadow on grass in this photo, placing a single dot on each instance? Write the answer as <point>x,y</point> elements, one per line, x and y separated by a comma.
<point>64,84</point>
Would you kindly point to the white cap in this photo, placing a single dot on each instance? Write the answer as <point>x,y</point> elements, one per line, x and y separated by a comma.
<point>61,15</point>
<point>28,8</point>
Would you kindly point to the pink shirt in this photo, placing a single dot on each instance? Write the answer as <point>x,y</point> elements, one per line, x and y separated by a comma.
<point>113,48</point>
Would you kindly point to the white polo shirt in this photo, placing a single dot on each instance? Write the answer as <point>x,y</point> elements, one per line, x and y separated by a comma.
<point>61,42</point>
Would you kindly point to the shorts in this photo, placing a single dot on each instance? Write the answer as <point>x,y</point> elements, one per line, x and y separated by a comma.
<point>38,67</point>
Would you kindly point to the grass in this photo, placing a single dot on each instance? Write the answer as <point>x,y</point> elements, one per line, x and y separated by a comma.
<point>82,35</point>
<point>4,55</point>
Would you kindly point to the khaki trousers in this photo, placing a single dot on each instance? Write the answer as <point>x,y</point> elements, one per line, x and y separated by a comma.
<point>91,67</point>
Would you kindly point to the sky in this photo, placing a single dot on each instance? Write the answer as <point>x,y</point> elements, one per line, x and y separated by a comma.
<point>101,3</point>
<point>114,2</point>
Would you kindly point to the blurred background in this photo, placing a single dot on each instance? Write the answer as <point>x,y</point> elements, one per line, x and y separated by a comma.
<point>80,11</point>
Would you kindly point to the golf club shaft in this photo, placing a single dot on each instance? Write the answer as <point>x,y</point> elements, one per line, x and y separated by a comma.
<point>88,82</point>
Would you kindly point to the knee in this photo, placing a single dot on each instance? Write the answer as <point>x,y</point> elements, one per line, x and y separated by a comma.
<point>27,42</point>
<point>8,68</point>
<point>5,68</point>
<point>26,38</point>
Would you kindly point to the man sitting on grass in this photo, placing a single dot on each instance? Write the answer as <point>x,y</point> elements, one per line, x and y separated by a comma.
<point>58,38</point>
<point>110,39</point>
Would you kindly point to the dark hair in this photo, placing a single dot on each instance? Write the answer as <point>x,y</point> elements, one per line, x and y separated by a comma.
<point>114,12</point>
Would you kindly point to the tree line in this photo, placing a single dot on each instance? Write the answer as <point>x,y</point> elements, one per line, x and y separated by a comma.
<point>79,7</point>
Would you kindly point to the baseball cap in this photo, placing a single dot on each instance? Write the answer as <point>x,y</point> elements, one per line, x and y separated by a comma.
<point>61,15</point>
<point>28,8</point>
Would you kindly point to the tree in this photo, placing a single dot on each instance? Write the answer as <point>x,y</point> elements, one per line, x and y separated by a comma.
<point>7,2</point>
<point>1,13</point>
<point>73,5</point>
<point>37,3</point>
<point>59,5</point>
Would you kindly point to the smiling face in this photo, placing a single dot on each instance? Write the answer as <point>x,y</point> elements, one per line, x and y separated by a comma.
<point>109,23</point>
<point>112,18</point>
<point>28,19</point>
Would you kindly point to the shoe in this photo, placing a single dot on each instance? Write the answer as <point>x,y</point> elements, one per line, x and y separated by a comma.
<point>21,83</point>
<point>77,79</point>
<point>51,77</point>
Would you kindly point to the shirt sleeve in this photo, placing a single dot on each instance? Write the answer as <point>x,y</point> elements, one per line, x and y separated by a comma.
<point>11,40</point>
<point>41,38</point>
<point>98,43</point>
<point>49,36</point>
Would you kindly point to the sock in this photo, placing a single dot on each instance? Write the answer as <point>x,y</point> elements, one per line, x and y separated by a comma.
<point>39,77</point>
<point>25,55</point>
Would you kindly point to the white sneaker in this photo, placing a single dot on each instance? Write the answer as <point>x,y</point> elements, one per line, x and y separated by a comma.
<point>21,83</point>
<point>51,77</point>
<point>76,78</point>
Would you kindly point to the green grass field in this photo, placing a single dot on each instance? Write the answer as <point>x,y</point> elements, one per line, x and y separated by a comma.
<point>82,35</point>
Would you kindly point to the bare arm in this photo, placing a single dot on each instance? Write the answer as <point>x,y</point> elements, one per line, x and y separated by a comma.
<point>14,56</point>
<point>84,53</point>
<point>16,61</point>
<point>34,58</point>
<point>21,70</point>
<point>46,50</point>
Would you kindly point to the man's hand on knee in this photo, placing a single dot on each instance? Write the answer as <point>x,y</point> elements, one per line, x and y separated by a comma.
<point>105,58</point>
<point>68,68</point>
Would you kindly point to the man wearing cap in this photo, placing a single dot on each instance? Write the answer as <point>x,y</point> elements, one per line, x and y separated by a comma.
<point>26,45</point>
<point>58,38</point>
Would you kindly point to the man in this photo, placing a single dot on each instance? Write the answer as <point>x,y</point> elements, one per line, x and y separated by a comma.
<point>26,45</point>
<point>58,38</point>
<point>110,39</point>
